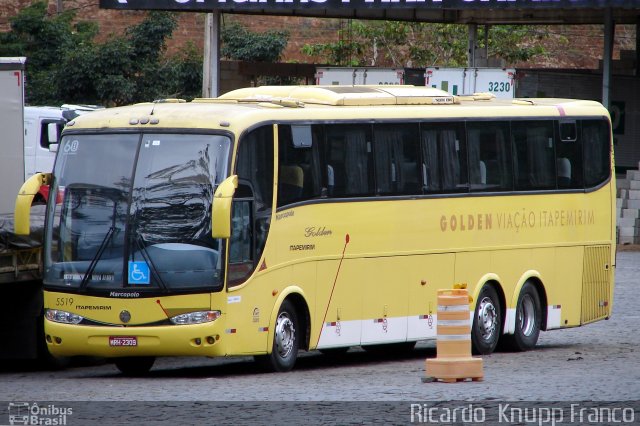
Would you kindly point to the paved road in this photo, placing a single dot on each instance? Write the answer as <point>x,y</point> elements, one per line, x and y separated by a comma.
<point>599,362</point>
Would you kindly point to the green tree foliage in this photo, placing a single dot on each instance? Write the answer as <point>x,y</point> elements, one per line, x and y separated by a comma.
<point>42,39</point>
<point>184,73</point>
<point>518,43</point>
<point>395,43</point>
<point>342,52</point>
<point>65,64</point>
<point>240,44</point>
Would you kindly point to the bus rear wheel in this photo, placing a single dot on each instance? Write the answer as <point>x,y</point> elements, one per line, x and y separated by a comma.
<point>528,320</point>
<point>135,365</point>
<point>487,321</point>
<point>284,350</point>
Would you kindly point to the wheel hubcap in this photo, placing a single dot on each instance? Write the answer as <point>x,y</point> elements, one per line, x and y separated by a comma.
<point>487,319</point>
<point>526,315</point>
<point>285,335</point>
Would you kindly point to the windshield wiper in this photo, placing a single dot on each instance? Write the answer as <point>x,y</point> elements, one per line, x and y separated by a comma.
<point>107,238</point>
<point>105,241</point>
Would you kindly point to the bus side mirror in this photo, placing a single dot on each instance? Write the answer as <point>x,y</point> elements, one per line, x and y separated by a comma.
<point>53,138</point>
<point>221,208</point>
<point>22,210</point>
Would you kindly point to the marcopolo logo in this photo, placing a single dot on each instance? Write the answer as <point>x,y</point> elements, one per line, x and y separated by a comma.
<point>25,413</point>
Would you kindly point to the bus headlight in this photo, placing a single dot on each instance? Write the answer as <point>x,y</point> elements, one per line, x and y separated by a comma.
<point>195,317</point>
<point>62,316</point>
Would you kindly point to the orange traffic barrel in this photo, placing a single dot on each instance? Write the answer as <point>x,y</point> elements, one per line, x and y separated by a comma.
<point>453,361</point>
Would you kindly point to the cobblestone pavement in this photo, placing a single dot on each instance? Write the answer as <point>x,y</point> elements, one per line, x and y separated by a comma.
<point>598,362</point>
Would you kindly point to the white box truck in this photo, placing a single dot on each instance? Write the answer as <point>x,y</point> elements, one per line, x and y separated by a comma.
<point>11,123</point>
<point>347,76</point>
<point>28,144</point>
<point>20,285</point>
<point>29,137</point>
<point>463,81</point>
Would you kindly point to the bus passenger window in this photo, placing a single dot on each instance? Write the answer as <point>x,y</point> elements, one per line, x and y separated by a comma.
<point>454,171</point>
<point>563,166</point>
<point>290,184</point>
<point>396,150</point>
<point>569,158</point>
<point>331,180</point>
<point>444,157</point>
<point>299,165</point>
<point>533,151</point>
<point>348,154</point>
<point>489,156</point>
<point>430,161</point>
<point>597,155</point>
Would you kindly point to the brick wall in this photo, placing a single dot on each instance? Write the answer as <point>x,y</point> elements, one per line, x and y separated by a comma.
<point>190,25</point>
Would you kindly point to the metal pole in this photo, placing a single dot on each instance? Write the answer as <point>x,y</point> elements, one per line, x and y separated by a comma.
<point>473,42</point>
<point>485,55</point>
<point>609,28</point>
<point>637,45</point>
<point>211,63</point>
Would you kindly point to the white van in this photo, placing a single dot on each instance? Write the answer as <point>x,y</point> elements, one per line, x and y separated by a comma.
<point>42,128</point>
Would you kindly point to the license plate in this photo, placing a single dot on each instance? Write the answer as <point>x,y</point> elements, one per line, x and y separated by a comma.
<point>123,341</point>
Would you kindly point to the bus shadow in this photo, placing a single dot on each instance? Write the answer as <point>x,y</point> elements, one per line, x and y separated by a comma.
<point>48,364</point>
<point>311,361</point>
<point>306,362</point>
<point>356,357</point>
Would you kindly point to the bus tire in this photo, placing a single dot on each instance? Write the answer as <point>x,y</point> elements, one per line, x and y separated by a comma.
<point>487,321</point>
<point>528,320</point>
<point>135,365</point>
<point>286,339</point>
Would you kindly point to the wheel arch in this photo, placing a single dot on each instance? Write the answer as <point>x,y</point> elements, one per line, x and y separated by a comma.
<point>299,301</point>
<point>494,281</point>
<point>535,279</point>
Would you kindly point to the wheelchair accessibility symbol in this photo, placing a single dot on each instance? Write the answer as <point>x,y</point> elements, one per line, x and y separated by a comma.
<point>139,273</point>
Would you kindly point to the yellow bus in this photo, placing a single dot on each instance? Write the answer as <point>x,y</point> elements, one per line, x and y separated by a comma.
<point>272,220</point>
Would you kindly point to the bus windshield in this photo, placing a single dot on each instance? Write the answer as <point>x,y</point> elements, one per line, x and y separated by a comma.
<point>135,213</point>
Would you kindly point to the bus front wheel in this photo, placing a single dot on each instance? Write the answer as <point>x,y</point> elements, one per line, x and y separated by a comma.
<point>135,365</point>
<point>487,321</point>
<point>528,320</point>
<point>285,340</point>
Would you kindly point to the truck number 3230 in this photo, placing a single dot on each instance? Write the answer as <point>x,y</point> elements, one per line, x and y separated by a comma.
<point>499,86</point>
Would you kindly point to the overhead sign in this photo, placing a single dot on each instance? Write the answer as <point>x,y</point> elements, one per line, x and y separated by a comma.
<point>203,5</point>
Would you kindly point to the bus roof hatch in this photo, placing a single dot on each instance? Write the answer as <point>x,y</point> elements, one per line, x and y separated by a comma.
<point>344,95</point>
